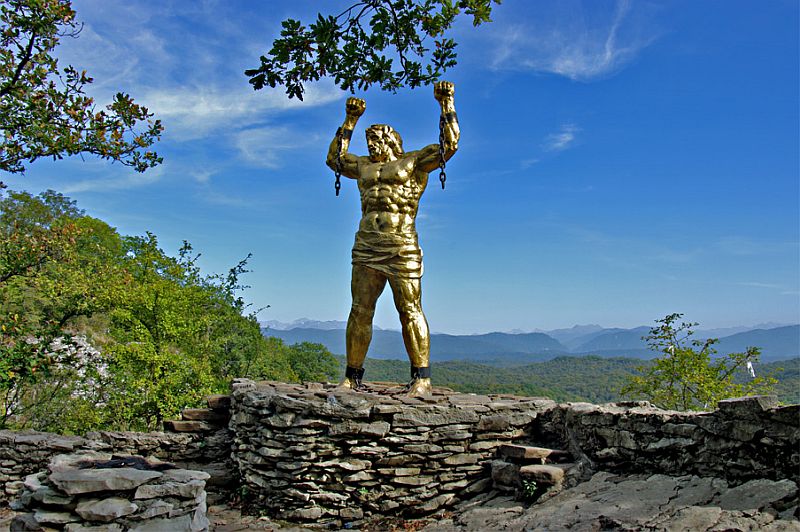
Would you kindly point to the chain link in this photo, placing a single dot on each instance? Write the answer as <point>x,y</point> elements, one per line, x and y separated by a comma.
<point>338,172</point>
<point>442,163</point>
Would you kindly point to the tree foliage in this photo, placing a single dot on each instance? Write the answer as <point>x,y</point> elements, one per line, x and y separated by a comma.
<point>44,109</point>
<point>389,43</point>
<point>102,330</point>
<point>313,362</point>
<point>688,375</point>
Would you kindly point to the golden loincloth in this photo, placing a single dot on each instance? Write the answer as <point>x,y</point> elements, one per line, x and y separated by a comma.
<point>396,255</point>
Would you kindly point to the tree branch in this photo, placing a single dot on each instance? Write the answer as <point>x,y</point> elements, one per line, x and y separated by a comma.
<point>20,67</point>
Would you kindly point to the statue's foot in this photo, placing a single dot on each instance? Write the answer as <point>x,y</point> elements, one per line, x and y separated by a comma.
<point>419,388</point>
<point>350,384</point>
<point>352,379</point>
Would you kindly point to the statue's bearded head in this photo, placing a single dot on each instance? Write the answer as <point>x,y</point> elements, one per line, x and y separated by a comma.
<point>384,143</point>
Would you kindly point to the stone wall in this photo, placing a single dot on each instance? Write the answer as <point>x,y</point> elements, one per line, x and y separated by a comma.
<point>28,452</point>
<point>744,439</point>
<point>311,452</point>
<point>315,453</point>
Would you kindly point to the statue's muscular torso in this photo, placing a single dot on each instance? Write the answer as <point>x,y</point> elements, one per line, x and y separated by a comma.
<point>390,193</point>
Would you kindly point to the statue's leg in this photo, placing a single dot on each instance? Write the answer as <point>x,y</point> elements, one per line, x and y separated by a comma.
<point>408,300</point>
<point>366,286</point>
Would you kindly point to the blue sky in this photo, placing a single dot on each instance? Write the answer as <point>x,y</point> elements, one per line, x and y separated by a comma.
<point>619,161</point>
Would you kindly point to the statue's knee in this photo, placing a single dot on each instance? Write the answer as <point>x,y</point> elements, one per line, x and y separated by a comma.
<point>360,313</point>
<point>410,313</point>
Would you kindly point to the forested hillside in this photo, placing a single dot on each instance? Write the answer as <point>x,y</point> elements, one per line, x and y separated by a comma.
<point>592,379</point>
<point>106,331</point>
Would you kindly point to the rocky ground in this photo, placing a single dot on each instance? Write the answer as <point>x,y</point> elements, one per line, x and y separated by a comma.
<point>627,503</point>
<point>605,502</point>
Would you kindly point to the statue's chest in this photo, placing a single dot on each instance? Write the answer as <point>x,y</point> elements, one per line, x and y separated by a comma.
<point>396,173</point>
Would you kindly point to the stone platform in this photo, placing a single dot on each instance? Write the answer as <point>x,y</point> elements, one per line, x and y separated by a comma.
<point>313,452</point>
<point>316,455</point>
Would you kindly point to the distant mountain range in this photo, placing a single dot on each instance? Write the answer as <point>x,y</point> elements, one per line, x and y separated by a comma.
<point>776,343</point>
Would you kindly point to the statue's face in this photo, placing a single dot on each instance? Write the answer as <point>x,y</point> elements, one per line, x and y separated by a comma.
<point>379,149</point>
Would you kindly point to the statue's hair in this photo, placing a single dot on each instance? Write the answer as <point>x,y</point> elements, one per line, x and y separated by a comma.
<point>392,137</point>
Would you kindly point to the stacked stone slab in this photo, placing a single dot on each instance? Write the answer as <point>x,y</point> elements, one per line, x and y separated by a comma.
<point>210,425</point>
<point>26,452</point>
<point>209,450</point>
<point>203,420</point>
<point>315,453</point>
<point>140,496</point>
<point>529,471</point>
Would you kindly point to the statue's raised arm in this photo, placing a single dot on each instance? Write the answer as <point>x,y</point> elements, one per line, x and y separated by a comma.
<point>429,157</point>
<point>339,160</point>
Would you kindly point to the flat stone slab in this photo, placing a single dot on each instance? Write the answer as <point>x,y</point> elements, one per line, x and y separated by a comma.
<point>186,490</point>
<point>205,414</point>
<point>187,426</point>
<point>546,475</point>
<point>757,494</point>
<point>46,517</point>
<point>77,481</point>
<point>219,401</point>
<point>526,452</point>
<point>105,510</point>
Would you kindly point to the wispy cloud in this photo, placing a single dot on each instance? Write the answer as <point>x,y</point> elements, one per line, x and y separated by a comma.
<point>747,247</point>
<point>578,41</point>
<point>195,112</point>
<point>215,197</point>
<point>194,85</point>
<point>561,140</point>
<point>756,284</point>
<point>264,146</point>
<point>126,180</point>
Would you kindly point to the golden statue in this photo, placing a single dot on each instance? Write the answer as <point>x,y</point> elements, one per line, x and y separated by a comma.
<point>391,183</point>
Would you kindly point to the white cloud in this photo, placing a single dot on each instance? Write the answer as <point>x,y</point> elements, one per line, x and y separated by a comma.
<point>146,52</point>
<point>195,112</point>
<point>561,140</point>
<point>265,146</point>
<point>578,44</point>
<point>120,181</point>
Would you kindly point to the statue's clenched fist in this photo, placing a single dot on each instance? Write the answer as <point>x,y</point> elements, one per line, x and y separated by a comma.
<point>443,90</point>
<point>355,107</point>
